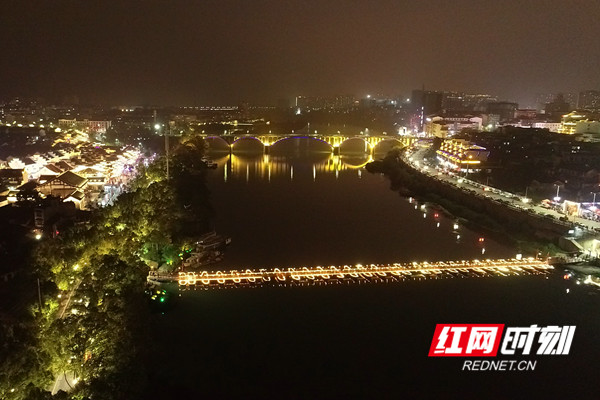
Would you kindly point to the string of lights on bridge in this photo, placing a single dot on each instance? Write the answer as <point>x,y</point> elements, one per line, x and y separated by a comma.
<point>360,273</point>
<point>333,141</point>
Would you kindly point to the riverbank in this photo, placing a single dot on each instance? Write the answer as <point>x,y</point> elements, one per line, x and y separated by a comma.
<point>528,233</point>
<point>88,334</point>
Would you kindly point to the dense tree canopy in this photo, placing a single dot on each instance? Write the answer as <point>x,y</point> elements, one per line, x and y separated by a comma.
<point>92,323</point>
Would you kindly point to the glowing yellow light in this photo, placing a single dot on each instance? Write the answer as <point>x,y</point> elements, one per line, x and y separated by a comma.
<point>420,270</point>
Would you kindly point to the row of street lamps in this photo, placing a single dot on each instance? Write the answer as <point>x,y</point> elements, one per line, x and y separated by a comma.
<point>557,197</point>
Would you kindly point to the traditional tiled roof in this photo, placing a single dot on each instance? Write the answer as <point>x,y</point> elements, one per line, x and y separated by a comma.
<point>54,168</point>
<point>28,186</point>
<point>71,179</point>
<point>8,173</point>
<point>77,195</point>
<point>46,178</point>
<point>88,172</point>
<point>28,161</point>
<point>63,165</point>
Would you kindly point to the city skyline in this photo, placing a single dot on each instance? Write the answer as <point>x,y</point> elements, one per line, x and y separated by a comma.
<point>228,52</point>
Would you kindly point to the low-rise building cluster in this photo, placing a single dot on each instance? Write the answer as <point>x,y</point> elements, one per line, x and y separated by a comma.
<point>542,160</point>
<point>72,172</point>
<point>445,114</point>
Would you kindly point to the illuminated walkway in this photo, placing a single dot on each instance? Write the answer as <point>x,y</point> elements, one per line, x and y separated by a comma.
<point>359,273</point>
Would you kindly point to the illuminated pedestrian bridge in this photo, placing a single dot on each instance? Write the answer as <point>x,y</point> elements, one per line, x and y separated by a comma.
<point>356,273</point>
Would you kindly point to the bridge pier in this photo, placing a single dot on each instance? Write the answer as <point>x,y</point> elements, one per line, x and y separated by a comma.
<point>336,151</point>
<point>266,149</point>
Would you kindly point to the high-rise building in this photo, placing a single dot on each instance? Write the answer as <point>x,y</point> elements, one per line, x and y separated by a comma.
<point>557,107</point>
<point>478,102</point>
<point>571,98</point>
<point>504,109</point>
<point>589,99</point>
<point>544,98</point>
<point>453,101</point>
<point>427,101</point>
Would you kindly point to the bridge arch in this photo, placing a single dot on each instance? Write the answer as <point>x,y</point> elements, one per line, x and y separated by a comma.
<point>372,141</point>
<point>301,137</point>
<point>351,138</point>
<point>388,140</point>
<point>247,138</point>
<point>359,165</point>
<point>218,138</point>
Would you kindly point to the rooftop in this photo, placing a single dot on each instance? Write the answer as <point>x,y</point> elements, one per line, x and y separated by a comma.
<point>71,179</point>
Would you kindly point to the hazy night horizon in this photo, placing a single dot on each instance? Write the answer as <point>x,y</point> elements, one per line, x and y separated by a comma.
<point>231,51</point>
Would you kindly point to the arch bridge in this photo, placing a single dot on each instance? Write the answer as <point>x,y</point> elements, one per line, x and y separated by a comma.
<point>333,141</point>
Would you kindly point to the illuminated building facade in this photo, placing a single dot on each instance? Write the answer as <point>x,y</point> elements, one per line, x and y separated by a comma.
<point>589,99</point>
<point>570,121</point>
<point>551,126</point>
<point>462,155</point>
<point>448,125</point>
<point>85,125</point>
<point>320,103</point>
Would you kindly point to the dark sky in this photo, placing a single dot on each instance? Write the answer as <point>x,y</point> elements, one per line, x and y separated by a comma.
<point>216,52</point>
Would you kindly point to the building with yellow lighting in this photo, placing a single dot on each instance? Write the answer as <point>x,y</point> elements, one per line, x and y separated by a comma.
<point>569,122</point>
<point>579,123</point>
<point>448,125</point>
<point>462,155</point>
<point>85,125</point>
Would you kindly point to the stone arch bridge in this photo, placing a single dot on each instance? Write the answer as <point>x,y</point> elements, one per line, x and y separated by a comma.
<point>333,141</point>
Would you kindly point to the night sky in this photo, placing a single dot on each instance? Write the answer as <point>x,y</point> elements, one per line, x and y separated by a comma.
<point>227,51</point>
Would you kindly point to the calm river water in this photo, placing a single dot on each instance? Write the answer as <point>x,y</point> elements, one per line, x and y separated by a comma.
<point>303,208</point>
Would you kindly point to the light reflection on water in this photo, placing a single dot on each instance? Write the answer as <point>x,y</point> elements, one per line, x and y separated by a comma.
<point>266,166</point>
<point>313,208</point>
<point>343,340</point>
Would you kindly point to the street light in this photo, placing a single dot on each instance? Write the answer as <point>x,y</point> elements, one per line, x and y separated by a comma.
<point>526,199</point>
<point>593,207</point>
<point>557,197</point>
<point>167,132</point>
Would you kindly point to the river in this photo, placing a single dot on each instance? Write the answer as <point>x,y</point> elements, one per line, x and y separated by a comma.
<point>300,207</point>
